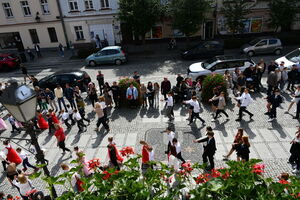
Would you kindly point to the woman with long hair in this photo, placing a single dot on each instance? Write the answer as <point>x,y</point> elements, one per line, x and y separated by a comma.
<point>236,142</point>
<point>143,90</point>
<point>243,150</point>
<point>150,93</point>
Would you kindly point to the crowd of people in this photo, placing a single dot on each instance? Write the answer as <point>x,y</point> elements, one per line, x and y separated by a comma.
<point>65,106</point>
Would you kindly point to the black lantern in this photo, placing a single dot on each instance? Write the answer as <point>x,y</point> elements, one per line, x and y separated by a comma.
<point>20,101</point>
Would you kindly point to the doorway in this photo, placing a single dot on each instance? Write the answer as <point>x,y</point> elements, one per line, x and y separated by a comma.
<point>208,30</point>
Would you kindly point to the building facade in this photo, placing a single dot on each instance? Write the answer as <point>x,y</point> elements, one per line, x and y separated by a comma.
<point>24,23</point>
<point>89,21</point>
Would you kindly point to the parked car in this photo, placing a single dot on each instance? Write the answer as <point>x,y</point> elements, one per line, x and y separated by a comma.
<point>262,45</point>
<point>205,49</point>
<point>108,55</point>
<point>290,59</point>
<point>74,78</point>
<point>9,61</point>
<point>218,64</point>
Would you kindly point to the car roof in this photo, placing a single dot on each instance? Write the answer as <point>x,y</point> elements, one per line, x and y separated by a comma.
<point>267,37</point>
<point>61,72</point>
<point>111,47</point>
<point>5,54</point>
<point>230,58</point>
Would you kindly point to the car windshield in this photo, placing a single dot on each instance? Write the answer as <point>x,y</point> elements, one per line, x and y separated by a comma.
<point>294,56</point>
<point>208,62</point>
<point>253,42</point>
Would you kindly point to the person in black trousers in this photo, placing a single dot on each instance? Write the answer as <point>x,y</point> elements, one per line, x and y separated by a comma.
<point>165,87</point>
<point>176,150</point>
<point>294,159</point>
<point>292,77</point>
<point>113,156</point>
<point>116,94</point>
<point>275,100</point>
<point>243,150</point>
<point>298,111</point>
<point>209,148</point>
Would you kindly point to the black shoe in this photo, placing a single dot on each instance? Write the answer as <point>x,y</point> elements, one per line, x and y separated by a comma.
<point>251,117</point>
<point>166,152</point>
<point>190,123</point>
<point>238,120</point>
<point>295,117</point>
<point>267,113</point>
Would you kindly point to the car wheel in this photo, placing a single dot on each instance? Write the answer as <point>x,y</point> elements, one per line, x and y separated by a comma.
<point>277,51</point>
<point>118,62</point>
<point>92,63</point>
<point>250,53</point>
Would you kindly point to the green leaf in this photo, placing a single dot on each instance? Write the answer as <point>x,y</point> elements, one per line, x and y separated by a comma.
<point>35,175</point>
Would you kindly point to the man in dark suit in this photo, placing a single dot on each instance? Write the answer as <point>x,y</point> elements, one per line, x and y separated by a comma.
<point>275,100</point>
<point>209,147</point>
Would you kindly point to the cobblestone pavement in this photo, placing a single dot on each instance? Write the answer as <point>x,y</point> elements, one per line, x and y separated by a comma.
<point>269,141</point>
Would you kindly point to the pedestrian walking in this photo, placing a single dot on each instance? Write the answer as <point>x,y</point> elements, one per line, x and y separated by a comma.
<point>24,72</point>
<point>107,94</point>
<point>78,119</point>
<point>58,91</point>
<point>150,94</point>
<point>116,94</point>
<point>60,136</point>
<point>24,156</point>
<point>103,106</point>
<point>272,66</point>
<point>24,185</point>
<point>65,118</point>
<point>115,159</point>
<point>11,155</point>
<point>170,106</point>
<point>275,100</point>
<point>196,109</point>
<point>272,82</point>
<point>132,95</point>
<point>235,76</point>
<point>243,150</point>
<point>221,106</point>
<point>156,93</point>
<point>92,93</point>
<point>171,136</point>
<point>38,50</point>
<point>296,99</point>
<point>176,150</point>
<point>284,78</point>
<point>100,79</point>
<point>245,100</point>
<point>13,123</point>
<point>165,87</point>
<point>294,159</point>
<point>136,77</point>
<point>145,157</point>
<point>297,111</point>
<point>50,123</point>
<point>61,50</point>
<point>236,143</point>
<point>51,99</point>
<point>3,125</point>
<point>78,98</point>
<point>42,123</point>
<point>209,148</point>
<point>69,94</point>
<point>292,77</point>
<point>101,117</point>
<point>179,79</point>
<point>30,54</point>
<point>143,91</point>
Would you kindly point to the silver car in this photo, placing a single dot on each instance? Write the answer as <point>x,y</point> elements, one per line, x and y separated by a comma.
<point>262,46</point>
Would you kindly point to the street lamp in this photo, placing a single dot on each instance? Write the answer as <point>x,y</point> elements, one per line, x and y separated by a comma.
<point>20,101</point>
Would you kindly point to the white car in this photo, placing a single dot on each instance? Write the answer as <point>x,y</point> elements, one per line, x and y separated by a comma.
<point>290,59</point>
<point>218,64</point>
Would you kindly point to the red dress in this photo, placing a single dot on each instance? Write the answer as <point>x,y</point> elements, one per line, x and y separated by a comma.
<point>43,124</point>
<point>145,154</point>
<point>119,157</point>
<point>54,118</point>
<point>13,156</point>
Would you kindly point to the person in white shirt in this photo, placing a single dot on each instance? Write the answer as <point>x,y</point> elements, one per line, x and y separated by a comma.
<point>295,100</point>
<point>245,99</point>
<point>171,136</point>
<point>77,117</point>
<point>59,93</point>
<point>70,112</point>
<point>176,150</point>
<point>23,184</point>
<point>65,118</point>
<point>24,157</point>
<point>170,104</point>
<point>75,178</point>
<point>196,109</point>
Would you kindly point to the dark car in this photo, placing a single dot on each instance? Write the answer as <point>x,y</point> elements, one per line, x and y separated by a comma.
<point>205,49</point>
<point>74,78</point>
<point>9,61</point>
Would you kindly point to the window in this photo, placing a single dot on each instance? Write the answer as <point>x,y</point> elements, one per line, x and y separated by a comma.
<point>34,36</point>
<point>272,41</point>
<point>45,7</point>
<point>262,43</point>
<point>104,4</point>
<point>52,34</point>
<point>73,5</point>
<point>25,7</point>
<point>79,33</point>
<point>7,10</point>
<point>88,4</point>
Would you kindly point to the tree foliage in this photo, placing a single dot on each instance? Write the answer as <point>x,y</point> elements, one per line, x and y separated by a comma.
<point>188,15</point>
<point>140,15</point>
<point>282,13</point>
<point>234,12</point>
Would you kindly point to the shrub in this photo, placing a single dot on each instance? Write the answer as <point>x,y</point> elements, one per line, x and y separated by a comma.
<point>124,84</point>
<point>209,83</point>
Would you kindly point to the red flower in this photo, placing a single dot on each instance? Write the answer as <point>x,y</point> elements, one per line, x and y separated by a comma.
<point>94,163</point>
<point>283,182</point>
<point>258,169</point>
<point>226,175</point>
<point>187,167</point>
<point>126,151</point>
<point>215,173</point>
<point>107,175</point>
<point>30,192</point>
<point>202,178</point>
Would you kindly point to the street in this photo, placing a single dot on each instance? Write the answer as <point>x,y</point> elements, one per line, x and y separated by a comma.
<point>269,141</point>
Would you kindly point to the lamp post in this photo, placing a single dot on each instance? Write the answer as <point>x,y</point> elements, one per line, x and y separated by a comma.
<point>20,101</point>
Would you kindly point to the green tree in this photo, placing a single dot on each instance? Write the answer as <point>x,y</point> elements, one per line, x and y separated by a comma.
<point>282,13</point>
<point>140,15</point>
<point>188,15</point>
<point>235,11</point>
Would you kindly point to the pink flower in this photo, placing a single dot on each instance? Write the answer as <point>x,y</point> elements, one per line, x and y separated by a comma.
<point>187,167</point>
